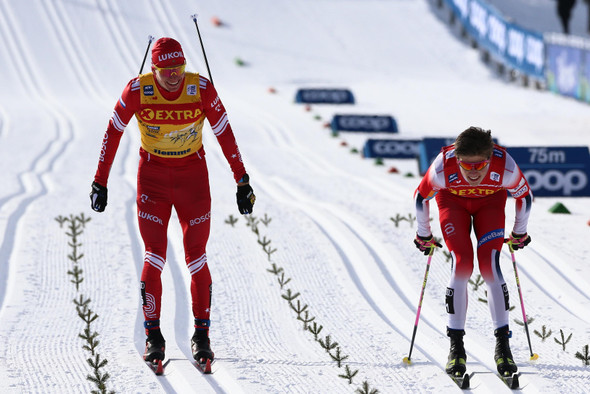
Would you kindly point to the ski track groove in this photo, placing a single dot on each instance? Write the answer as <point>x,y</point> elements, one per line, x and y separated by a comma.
<point>32,187</point>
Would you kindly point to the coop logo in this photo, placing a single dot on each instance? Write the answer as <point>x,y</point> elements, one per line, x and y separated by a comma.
<point>200,219</point>
<point>396,148</point>
<point>375,123</point>
<point>567,182</point>
<point>148,216</point>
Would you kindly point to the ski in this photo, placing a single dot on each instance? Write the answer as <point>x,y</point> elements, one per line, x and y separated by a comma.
<point>461,380</point>
<point>511,380</point>
<point>204,365</point>
<point>157,367</point>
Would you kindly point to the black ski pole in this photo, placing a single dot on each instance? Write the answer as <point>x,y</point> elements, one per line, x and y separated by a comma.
<point>194,16</point>
<point>150,39</point>
<point>408,360</point>
<point>534,356</point>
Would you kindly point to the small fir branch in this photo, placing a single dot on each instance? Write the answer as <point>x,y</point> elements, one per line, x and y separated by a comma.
<point>411,219</point>
<point>544,334</point>
<point>348,374</point>
<point>231,220</point>
<point>585,357</point>
<point>264,242</point>
<point>82,303</point>
<point>87,315</point>
<point>266,220</point>
<point>83,219</point>
<point>563,341</point>
<point>529,321</point>
<point>289,296</point>
<point>282,281</point>
<point>398,218</point>
<point>327,344</point>
<point>269,251</point>
<point>61,220</point>
<point>275,269</point>
<point>77,276</point>
<point>366,389</point>
<point>90,338</point>
<point>338,357</point>
<point>305,319</point>
<point>298,308</point>
<point>315,329</point>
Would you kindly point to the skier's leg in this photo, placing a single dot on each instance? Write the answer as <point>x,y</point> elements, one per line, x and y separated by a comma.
<point>455,221</point>
<point>153,209</point>
<point>489,222</point>
<point>193,205</point>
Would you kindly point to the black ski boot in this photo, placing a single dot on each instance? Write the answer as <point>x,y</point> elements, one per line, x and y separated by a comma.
<point>155,346</point>
<point>503,356</point>
<point>457,357</point>
<point>200,345</point>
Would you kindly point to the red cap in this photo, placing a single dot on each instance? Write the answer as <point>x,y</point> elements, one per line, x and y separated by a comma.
<point>167,52</point>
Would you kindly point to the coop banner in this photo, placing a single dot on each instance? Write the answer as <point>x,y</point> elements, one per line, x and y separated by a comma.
<point>392,149</point>
<point>324,96</point>
<point>555,171</point>
<point>365,123</point>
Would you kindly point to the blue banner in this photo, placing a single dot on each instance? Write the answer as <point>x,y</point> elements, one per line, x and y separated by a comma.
<point>429,149</point>
<point>555,171</point>
<point>324,96</point>
<point>392,149</point>
<point>365,123</point>
<point>526,51</point>
<point>563,69</point>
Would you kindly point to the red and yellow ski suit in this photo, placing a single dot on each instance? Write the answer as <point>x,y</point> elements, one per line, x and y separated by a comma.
<point>172,172</point>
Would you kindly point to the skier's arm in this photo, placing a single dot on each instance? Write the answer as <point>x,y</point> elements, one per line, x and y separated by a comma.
<point>128,104</point>
<point>217,117</point>
<point>517,185</point>
<point>432,182</point>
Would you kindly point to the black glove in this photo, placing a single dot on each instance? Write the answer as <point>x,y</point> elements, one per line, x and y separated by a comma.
<point>98,197</point>
<point>245,198</point>
<point>518,241</point>
<point>426,245</point>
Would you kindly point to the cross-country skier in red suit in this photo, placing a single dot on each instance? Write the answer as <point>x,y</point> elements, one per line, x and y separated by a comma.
<point>470,179</point>
<point>170,106</point>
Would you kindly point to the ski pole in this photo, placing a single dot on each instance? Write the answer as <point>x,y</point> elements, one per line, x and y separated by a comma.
<point>534,356</point>
<point>150,39</point>
<point>194,16</point>
<point>407,360</point>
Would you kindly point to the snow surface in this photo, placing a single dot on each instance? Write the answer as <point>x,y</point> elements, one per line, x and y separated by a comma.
<point>64,64</point>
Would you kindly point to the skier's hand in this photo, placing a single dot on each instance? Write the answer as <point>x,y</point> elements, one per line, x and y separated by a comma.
<point>245,197</point>
<point>427,244</point>
<point>518,241</point>
<point>98,197</point>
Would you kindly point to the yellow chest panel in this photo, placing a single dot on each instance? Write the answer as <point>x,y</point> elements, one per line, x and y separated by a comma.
<point>170,128</point>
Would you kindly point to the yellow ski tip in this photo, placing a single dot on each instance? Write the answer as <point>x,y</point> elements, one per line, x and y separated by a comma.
<point>407,361</point>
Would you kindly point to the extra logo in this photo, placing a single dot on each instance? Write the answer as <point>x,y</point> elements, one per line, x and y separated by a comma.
<point>149,114</point>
